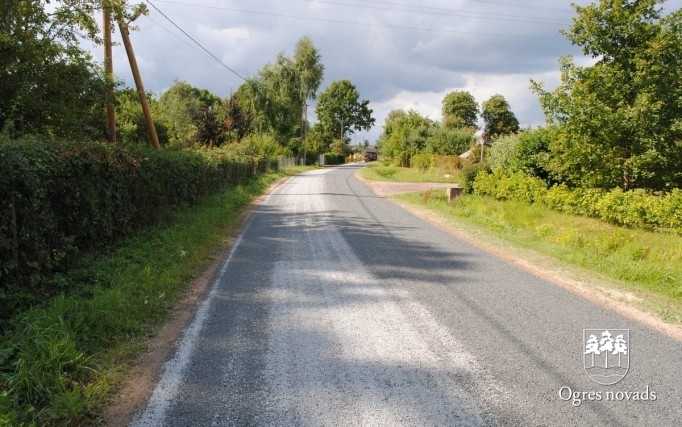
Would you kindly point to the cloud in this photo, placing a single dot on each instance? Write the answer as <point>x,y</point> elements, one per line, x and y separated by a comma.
<point>398,56</point>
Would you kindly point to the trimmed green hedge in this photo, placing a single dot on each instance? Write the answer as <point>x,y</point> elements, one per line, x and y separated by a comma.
<point>629,209</point>
<point>60,199</point>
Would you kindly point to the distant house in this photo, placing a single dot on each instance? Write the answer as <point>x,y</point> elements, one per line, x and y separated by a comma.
<point>481,138</point>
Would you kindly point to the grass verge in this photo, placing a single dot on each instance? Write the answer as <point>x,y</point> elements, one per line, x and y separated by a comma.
<point>62,359</point>
<point>383,171</point>
<point>644,266</point>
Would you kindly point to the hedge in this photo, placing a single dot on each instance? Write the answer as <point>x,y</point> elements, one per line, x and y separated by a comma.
<point>628,209</point>
<point>60,199</point>
<point>334,159</point>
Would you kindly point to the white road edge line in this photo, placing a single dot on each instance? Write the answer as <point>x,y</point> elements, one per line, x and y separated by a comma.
<point>169,384</point>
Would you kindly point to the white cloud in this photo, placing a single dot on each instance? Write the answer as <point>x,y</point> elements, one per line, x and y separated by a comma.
<point>396,59</point>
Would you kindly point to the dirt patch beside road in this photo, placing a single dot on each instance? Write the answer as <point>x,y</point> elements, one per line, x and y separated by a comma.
<point>387,189</point>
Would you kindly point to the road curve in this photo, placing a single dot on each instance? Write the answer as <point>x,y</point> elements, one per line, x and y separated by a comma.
<point>337,307</point>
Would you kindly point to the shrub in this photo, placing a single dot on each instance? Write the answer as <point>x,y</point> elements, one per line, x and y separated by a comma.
<point>60,199</point>
<point>422,161</point>
<point>334,158</point>
<point>425,161</point>
<point>503,152</point>
<point>628,209</point>
<point>469,174</point>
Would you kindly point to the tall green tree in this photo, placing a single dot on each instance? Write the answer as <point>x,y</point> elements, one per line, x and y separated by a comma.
<point>276,96</point>
<point>460,110</point>
<point>498,117</point>
<point>340,110</point>
<point>620,120</point>
<point>309,69</point>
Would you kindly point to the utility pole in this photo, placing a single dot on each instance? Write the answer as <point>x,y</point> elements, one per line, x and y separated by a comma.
<point>138,82</point>
<point>109,76</point>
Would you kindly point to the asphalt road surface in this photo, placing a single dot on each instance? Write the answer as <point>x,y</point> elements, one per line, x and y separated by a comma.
<point>338,308</point>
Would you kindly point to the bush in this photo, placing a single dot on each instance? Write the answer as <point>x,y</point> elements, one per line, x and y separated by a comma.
<point>469,174</point>
<point>509,187</point>
<point>503,152</point>
<point>334,158</point>
<point>628,209</point>
<point>60,199</point>
<point>425,161</point>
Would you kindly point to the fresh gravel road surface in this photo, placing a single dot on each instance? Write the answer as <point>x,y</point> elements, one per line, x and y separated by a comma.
<point>336,307</point>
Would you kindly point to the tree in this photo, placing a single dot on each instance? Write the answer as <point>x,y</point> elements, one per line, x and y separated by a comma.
<point>47,83</point>
<point>460,110</point>
<point>498,117</point>
<point>238,122</point>
<point>132,127</point>
<point>340,110</point>
<point>405,134</point>
<point>620,120</point>
<point>180,109</point>
<point>449,142</point>
<point>310,72</point>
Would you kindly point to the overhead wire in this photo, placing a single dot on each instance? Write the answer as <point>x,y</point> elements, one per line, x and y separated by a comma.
<point>196,42</point>
<point>429,10</point>
<point>366,24</point>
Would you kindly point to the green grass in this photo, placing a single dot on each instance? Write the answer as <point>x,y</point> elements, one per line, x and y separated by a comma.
<point>383,171</point>
<point>645,263</point>
<point>62,359</point>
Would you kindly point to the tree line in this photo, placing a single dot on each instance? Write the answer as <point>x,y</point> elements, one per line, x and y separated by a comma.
<point>408,134</point>
<point>614,124</point>
<point>50,86</point>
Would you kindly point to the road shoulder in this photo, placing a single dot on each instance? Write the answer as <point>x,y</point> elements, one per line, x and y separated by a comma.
<point>582,282</point>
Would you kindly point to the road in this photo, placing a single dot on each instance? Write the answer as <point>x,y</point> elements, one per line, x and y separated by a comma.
<point>336,307</point>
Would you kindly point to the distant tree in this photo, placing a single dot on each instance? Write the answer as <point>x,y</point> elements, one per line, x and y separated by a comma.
<point>340,110</point>
<point>449,142</point>
<point>180,110</point>
<point>620,120</point>
<point>131,127</point>
<point>310,72</point>
<point>238,122</point>
<point>498,117</point>
<point>275,98</point>
<point>405,134</point>
<point>210,129</point>
<point>460,110</point>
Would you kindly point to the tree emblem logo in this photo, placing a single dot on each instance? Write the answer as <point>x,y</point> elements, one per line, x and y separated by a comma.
<point>606,354</point>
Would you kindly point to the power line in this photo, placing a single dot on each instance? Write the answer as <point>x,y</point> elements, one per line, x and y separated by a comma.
<point>365,24</point>
<point>428,10</point>
<point>196,42</point>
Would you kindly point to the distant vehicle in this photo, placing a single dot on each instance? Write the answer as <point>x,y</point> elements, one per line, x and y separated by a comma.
<point>371,154</point>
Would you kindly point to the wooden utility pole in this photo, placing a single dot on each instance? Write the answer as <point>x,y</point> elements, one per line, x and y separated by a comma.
<point>138,82</point>
<point>109,76</point>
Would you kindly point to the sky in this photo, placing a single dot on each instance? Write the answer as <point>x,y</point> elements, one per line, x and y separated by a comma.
<point>399,54</point>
